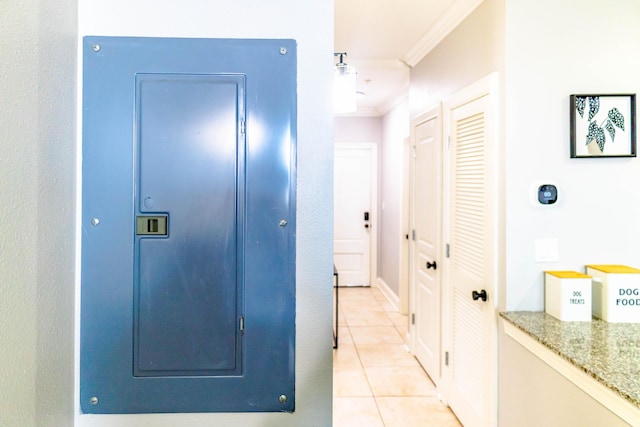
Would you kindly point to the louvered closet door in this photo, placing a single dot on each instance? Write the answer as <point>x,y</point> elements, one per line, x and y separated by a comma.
<point>472,247</point>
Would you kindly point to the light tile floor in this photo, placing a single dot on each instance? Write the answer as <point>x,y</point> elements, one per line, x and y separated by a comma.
<point>376,381</point>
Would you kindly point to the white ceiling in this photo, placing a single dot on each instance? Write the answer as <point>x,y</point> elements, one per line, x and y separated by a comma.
<point>384,38</point>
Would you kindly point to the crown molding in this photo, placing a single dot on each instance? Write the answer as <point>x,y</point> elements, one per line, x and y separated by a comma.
<point>381,64</point>
<point>443,26</point>
<point>361,112</point>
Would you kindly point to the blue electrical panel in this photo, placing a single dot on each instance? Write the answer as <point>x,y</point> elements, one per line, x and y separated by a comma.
<point>188,225</point>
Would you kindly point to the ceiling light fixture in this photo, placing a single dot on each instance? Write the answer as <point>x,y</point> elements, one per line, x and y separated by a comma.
<point>344,86</point>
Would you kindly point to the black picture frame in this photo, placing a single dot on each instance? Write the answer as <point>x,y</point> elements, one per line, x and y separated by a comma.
<point>603,125</point>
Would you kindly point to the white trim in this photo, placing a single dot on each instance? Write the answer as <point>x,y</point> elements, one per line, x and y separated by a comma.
<point>601,393</point>
<point>380,64</point>
<point>404,259</point>
<point>453,16</point>
<point>388,293</point>
<point>361,112</point>
<point>374,221</point>
<point>488,85</point>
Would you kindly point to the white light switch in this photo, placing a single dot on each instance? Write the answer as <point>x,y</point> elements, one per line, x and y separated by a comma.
<point>546,250</point>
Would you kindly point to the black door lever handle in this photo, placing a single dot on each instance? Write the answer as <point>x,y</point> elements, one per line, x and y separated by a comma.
<point>479,295</point>
<point>432,265</point>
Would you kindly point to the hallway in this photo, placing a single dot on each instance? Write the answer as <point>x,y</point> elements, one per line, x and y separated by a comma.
<point>376,382</point>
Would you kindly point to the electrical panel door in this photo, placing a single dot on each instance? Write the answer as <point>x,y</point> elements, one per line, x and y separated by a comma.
<point>188,225</point>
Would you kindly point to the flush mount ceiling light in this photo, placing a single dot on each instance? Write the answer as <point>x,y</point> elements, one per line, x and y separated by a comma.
<point>344,86</point>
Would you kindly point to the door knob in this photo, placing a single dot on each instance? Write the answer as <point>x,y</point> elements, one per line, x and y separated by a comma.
<point>431,265</point>
<point>479,295</point>
<point>366,226</point>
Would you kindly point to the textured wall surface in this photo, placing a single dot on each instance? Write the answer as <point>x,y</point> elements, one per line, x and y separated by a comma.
<point>37,83</point>
<point>18,217</point>
<point>57,82</point>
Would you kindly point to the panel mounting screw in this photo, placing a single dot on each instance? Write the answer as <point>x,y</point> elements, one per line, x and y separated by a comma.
<point>283,50</point>
<point>95,222</point>
<point>93,400</point>
<point>95,47</point>
<point>283,398</point>
<point>283,223</point>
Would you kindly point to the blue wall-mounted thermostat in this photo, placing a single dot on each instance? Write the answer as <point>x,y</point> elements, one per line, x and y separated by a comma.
<point>188,225</point>
<point>547,194</point>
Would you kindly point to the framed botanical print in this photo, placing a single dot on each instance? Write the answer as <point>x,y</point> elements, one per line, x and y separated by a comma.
<point>603,125</point>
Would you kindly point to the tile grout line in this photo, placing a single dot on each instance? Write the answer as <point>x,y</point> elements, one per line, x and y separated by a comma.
<point>364,330</point>
<point>375,400</point>
<point>364,371</point>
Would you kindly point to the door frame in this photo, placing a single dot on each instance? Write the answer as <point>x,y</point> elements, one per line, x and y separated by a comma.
<point>404,287</point>
<point>372,147</point>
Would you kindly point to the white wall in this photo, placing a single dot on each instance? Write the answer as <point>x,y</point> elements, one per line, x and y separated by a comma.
<point>19,198</point>
<point>358,130</point>
<point>37,83</point>
<point>554,49</point>
<point>395,128</point>
<point>311,24</point>
<point>471,51</point>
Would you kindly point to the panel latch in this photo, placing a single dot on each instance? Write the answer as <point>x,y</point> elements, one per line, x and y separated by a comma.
<point>151,225</point>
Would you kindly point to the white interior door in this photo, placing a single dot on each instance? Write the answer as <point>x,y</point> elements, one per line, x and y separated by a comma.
<point>354,215</point>
<point>426,226</point>
<point>471,269</point>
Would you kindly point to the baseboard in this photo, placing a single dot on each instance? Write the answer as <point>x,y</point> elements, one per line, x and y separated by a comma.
<point>393,299</point>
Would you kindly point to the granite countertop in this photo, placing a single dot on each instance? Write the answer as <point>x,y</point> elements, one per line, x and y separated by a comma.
<point>608,352</point>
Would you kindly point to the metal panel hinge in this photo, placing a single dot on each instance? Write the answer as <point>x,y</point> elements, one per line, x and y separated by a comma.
<point>242,126</point>
<point>414,152</point>
<point>413,318</point>
<point>241,324</point>
<point>446,358</point>
<point>413,234</point>
<point>447,250</point>
<point>448,142</point>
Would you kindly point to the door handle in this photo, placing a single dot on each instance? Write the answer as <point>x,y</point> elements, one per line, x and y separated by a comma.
<point>479,295</point>
<point>366,226</point>
<point>432,265</point>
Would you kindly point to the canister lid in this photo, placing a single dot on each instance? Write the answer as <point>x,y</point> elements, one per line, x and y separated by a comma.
<point>618,269</point>
<point>568,274</point>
